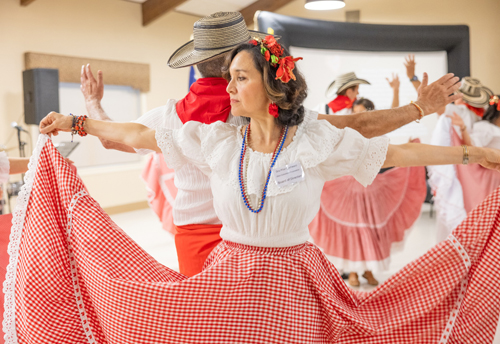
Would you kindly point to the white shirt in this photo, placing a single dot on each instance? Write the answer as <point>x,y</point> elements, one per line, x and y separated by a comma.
<point>485,134</point>
<point>4,168</point>
<point>194,201</point>
<point>324,152</point>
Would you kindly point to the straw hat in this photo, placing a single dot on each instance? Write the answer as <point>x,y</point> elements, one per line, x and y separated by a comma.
<point>343,82</point>
<point>474,93</point>
<point>213,35</point>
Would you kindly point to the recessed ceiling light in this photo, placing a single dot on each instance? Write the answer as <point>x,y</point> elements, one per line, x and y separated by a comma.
<point>319,5</point>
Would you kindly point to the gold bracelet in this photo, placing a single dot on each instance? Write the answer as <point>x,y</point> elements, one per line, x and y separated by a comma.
<point>465,159</point>
<point>420,110</point>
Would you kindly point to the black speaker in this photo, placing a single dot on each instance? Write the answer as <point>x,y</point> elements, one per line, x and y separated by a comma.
<point>41,93</point>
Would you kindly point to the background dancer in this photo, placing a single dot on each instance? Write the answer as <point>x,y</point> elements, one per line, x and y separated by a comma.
<point>476,182</point>
<point>447,190</point>
<point>357,227</point>
<point>345,89</point>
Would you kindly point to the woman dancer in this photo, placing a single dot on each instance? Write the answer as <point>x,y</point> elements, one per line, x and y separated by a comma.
<point>357,227</point>
<point>477,182</point>
<point>264,283</point>
<point>486,132</point>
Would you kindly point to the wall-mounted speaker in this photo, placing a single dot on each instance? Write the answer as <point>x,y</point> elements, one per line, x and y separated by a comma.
<point>41,93</point>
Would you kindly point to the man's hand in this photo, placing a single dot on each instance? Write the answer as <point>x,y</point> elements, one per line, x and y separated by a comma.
<point>410,66</point>
<point>92,89</point>
<point>394,83</point>
<point>438,94</point>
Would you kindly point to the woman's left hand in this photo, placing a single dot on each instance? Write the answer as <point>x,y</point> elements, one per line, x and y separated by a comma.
<point>55,122</point>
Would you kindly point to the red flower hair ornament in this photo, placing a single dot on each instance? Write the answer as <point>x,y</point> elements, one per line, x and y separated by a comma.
<point>273,52</point>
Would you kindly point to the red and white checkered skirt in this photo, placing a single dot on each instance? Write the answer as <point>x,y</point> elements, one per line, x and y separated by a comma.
<point>75,277</point>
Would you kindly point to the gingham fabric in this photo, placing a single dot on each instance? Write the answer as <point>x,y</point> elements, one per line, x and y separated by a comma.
<point>75,277</point>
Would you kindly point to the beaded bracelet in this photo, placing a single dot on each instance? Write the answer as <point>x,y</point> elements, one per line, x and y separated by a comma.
<point>77,127</point>
<point>419,109</point>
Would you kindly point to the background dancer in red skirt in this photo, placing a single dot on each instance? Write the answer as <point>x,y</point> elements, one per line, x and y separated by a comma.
<point>264,282</point>
<point>197,226</point>
<point>358,227</point>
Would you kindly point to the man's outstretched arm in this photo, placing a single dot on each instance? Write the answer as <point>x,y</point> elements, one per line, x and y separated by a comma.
<point>93,91</point>
<point>376,123</point>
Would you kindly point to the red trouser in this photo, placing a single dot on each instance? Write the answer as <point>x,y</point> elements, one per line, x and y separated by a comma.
<point>194,243</point>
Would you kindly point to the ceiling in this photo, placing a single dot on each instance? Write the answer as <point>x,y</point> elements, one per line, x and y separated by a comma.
<point>203,8</point>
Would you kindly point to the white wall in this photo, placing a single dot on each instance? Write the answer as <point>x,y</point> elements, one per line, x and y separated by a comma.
<point>374,67</point>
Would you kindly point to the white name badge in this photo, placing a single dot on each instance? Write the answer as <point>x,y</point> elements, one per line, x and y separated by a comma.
<point>288,174</point>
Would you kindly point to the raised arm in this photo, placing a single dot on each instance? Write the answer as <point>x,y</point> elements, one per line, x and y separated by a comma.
<point>394,83</point>
<point>457,120</point>
<point>410,70</point>
<point>417,154</point>
<point>93,91</point>
<point>130,134</point>
<point>376,123</point>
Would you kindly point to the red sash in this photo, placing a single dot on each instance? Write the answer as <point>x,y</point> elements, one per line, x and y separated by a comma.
<point>206,102</point>
<point>340,103</point>
<point>477,111</point>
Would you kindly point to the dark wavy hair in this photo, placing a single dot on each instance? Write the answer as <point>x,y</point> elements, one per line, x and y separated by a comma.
<point>491,113</point>
<point>288,96</point>
<point>367,103</point>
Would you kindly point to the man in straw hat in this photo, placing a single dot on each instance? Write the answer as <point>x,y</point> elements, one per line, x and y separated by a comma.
<point>346,89</point>
<point>448,195</point>
<point>193,213</point>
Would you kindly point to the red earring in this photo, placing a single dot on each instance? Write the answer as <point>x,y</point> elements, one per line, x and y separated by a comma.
<point>273,110</point>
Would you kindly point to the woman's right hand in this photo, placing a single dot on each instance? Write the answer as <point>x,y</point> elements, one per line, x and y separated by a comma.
<point>55,122</point>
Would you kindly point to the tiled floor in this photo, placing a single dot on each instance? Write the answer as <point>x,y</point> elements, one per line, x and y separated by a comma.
<point>144,228</point>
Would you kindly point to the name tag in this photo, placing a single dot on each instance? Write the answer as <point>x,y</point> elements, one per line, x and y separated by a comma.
<point>288,174</point>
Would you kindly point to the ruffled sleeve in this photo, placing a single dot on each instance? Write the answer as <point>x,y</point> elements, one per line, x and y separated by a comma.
<point>195,143</point>
<point>4,168</point>
<point>160,117</point>
<point>344,152</point>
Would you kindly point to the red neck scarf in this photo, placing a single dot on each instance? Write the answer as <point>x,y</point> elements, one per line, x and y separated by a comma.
<point>477,111</point>
<point>340,103</point>
<point>206,102</point>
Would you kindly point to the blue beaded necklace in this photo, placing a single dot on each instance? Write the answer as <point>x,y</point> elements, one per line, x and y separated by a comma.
<point>276,153</point>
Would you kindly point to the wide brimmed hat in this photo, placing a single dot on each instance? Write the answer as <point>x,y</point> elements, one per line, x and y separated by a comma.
<point>213,35</point>
<point>343,82</point>
<point>474,93</point>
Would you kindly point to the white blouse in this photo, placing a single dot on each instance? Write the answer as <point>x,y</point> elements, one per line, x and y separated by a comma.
<point>485,134</point>
<point>323,151</point>
<point>194,201</point>
<point>4,168</point>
